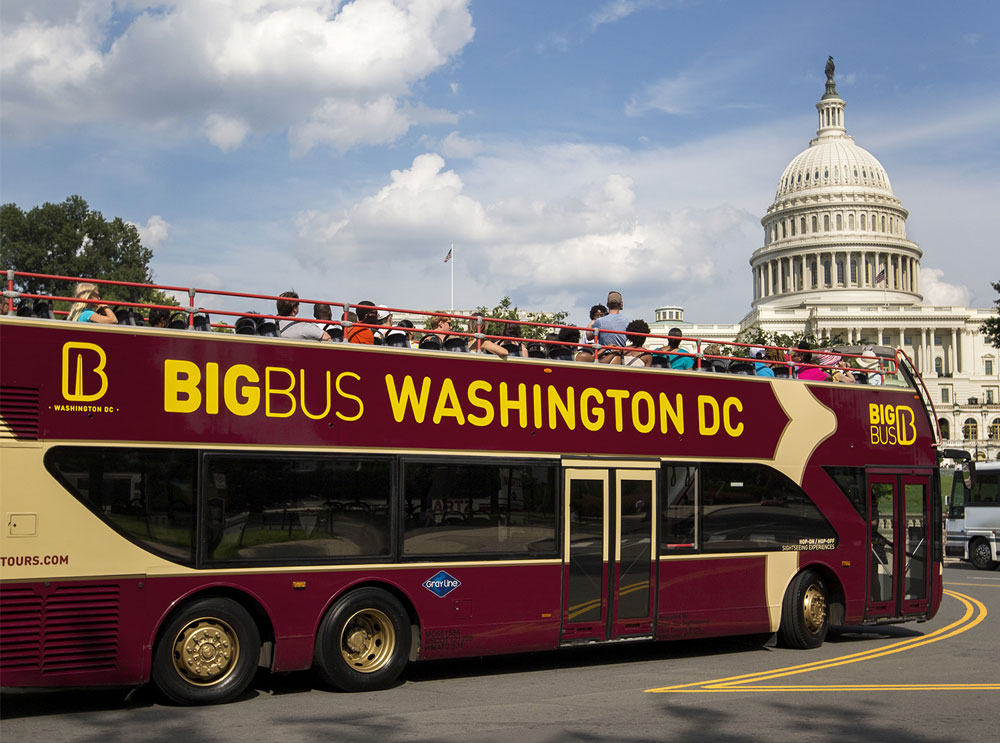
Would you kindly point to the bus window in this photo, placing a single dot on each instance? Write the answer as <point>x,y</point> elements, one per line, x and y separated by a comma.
<point>308,508</point>
<point>754,507</point>
<point>680,499</point>
<point>479,508</point>
<point>146,494</point>
<point>851,481</point>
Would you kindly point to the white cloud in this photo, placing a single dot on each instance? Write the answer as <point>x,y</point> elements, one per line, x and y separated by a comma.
<point>457,146</point>
<point>938,292</point>
<point>334,73</point>
<point>155,232</point>
<point>225,132</point>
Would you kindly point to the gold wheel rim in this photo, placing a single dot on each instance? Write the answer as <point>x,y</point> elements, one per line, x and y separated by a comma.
<point>205,651</point>
<point>814,608</point>
<point>368,640</point>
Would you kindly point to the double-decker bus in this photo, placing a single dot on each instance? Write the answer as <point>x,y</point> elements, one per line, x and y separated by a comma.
<point>973,519</point>
<point>184,507</point>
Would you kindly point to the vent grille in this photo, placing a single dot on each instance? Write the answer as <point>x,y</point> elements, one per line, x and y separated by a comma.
<point>72,629</point>
<point>18,412</point>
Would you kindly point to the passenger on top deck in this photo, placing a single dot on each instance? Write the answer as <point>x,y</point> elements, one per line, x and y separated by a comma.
<point>757,355</point>
<point>802,355</point>
<point>676,358</point>
<point>610,330</point>
<point>515,348</point>
<point>580,353</point>
<point>478,325</point>
<point>89,312</point>
<point>637,355</point>
<point>368,314</point>
<point>598,310</point>
<point>297,329</point>
<point>158,317</point>
<point>870,362</point>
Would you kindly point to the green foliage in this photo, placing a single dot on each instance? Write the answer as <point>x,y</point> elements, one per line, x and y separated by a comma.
<point>70,239</point>
<point>506,311</point>
<point>991,325</point>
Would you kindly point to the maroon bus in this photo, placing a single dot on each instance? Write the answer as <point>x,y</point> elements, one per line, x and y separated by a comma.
<point>186,506</point>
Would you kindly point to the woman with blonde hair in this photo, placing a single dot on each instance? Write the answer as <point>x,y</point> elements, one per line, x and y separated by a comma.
<point>88,311</point>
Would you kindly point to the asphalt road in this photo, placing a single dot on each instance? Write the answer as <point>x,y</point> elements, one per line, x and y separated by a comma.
<point>920,682</point>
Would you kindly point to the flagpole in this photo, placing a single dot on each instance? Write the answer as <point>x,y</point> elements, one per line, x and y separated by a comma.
<point>452,254</point>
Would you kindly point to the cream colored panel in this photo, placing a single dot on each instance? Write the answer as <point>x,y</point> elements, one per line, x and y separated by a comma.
<point>811,423</point>
<point>781,567</point>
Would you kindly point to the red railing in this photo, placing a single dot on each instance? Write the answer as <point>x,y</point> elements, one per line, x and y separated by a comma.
<point>887,366</point>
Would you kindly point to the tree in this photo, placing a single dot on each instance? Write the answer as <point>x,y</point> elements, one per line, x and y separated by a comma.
<point>506,310</point>
<point>991,325</point>
<point>70,239</point>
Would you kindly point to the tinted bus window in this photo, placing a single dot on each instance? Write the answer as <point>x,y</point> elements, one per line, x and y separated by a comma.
<point>146,494</point>
<point>479,509</point>
<point>302,509</point>
<point>754,507</point>
<point>680,502</point>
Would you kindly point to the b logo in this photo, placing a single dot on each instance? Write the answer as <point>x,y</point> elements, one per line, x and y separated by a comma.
<point>79,381</point>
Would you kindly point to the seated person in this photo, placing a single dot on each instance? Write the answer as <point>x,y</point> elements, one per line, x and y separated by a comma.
<point>802,354</point>
<point>637,355</point>
<point>159,317</point>
<point>515,347</point>
<point>610,330</point>
<point>478,325</point>
<point>869,363</point>
<point>711,352</point>
<point>88,311</point>
<point>367,314</point>
<point>289,308</point>
<point>580,353</point>
<point>760,357</point>
<point>678,359</point>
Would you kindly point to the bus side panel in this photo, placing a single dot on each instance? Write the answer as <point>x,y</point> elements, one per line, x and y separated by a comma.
<point>72,633</point>
<point>712,597</point>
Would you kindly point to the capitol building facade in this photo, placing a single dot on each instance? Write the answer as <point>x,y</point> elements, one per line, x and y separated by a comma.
<point>836,262</point>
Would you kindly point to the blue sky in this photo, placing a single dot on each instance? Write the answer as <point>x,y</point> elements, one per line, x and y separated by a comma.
<point>566,148</point>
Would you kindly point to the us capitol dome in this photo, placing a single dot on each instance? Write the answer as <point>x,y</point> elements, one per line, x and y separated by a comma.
<point>835,233</point>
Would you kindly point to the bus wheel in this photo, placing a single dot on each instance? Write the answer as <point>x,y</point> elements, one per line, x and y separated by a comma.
<point>207,653</point>
<point>979,555</point>
<point>804,616</point>
<point>363,641</point>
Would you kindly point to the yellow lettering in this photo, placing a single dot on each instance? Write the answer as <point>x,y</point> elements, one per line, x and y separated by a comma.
<point>727,418</point>
<point>448,404</point>
<point>77,395</point>
<point>231,393</point>
<point>905,420</point>
<point>485,405</point>
<point>618,396</point>
<point>180,386</point>
<point>536,401</point>
<point>875,435</point>
<point>407,397</point>
<point>644,398</point>
<point>565,408</point>
<point>674,412</point>
<point>287,391</point>
<point>706,402</point>
<point>520,404</point>
<point>212,388</point>
<point>361,405</point>
<point>592,418</point>
<point>302,396</point>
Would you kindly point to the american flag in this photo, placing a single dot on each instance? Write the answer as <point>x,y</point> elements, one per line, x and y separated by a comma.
<point>879,277</point>
<point>448,257</point>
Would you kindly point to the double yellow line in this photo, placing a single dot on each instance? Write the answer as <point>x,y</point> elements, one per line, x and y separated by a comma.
<point>975,613</point>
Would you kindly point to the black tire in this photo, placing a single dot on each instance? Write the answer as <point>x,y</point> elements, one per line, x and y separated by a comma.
<point>207,653</point>
<point>363,642</point>
<point>805,618</point>
<point>979,555</point>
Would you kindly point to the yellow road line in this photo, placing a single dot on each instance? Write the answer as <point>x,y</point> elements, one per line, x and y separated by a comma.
<point>974,585</point>
<point>975,613</point>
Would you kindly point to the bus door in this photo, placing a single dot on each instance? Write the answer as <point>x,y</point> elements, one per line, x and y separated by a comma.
<point>899,539</point>
<point>608,557</point>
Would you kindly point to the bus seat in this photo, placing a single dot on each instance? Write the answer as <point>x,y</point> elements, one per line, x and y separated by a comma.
<point>125,316</point>
<point>660,361</point>
<point>246,326</point>
<point>267,328</point>
<point>742,367</point>
<point>430,342</point>
<point>560,353</point>
<point>178,321</point>
<point>336,333</point>
<point>202,323</point>
<point>511,347</point>
<point>396,339</point>
<point>536,351</point>
<point>780,371</point>
<point>458,344</point>
<point>43,308</point>
<point>24,308</point>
